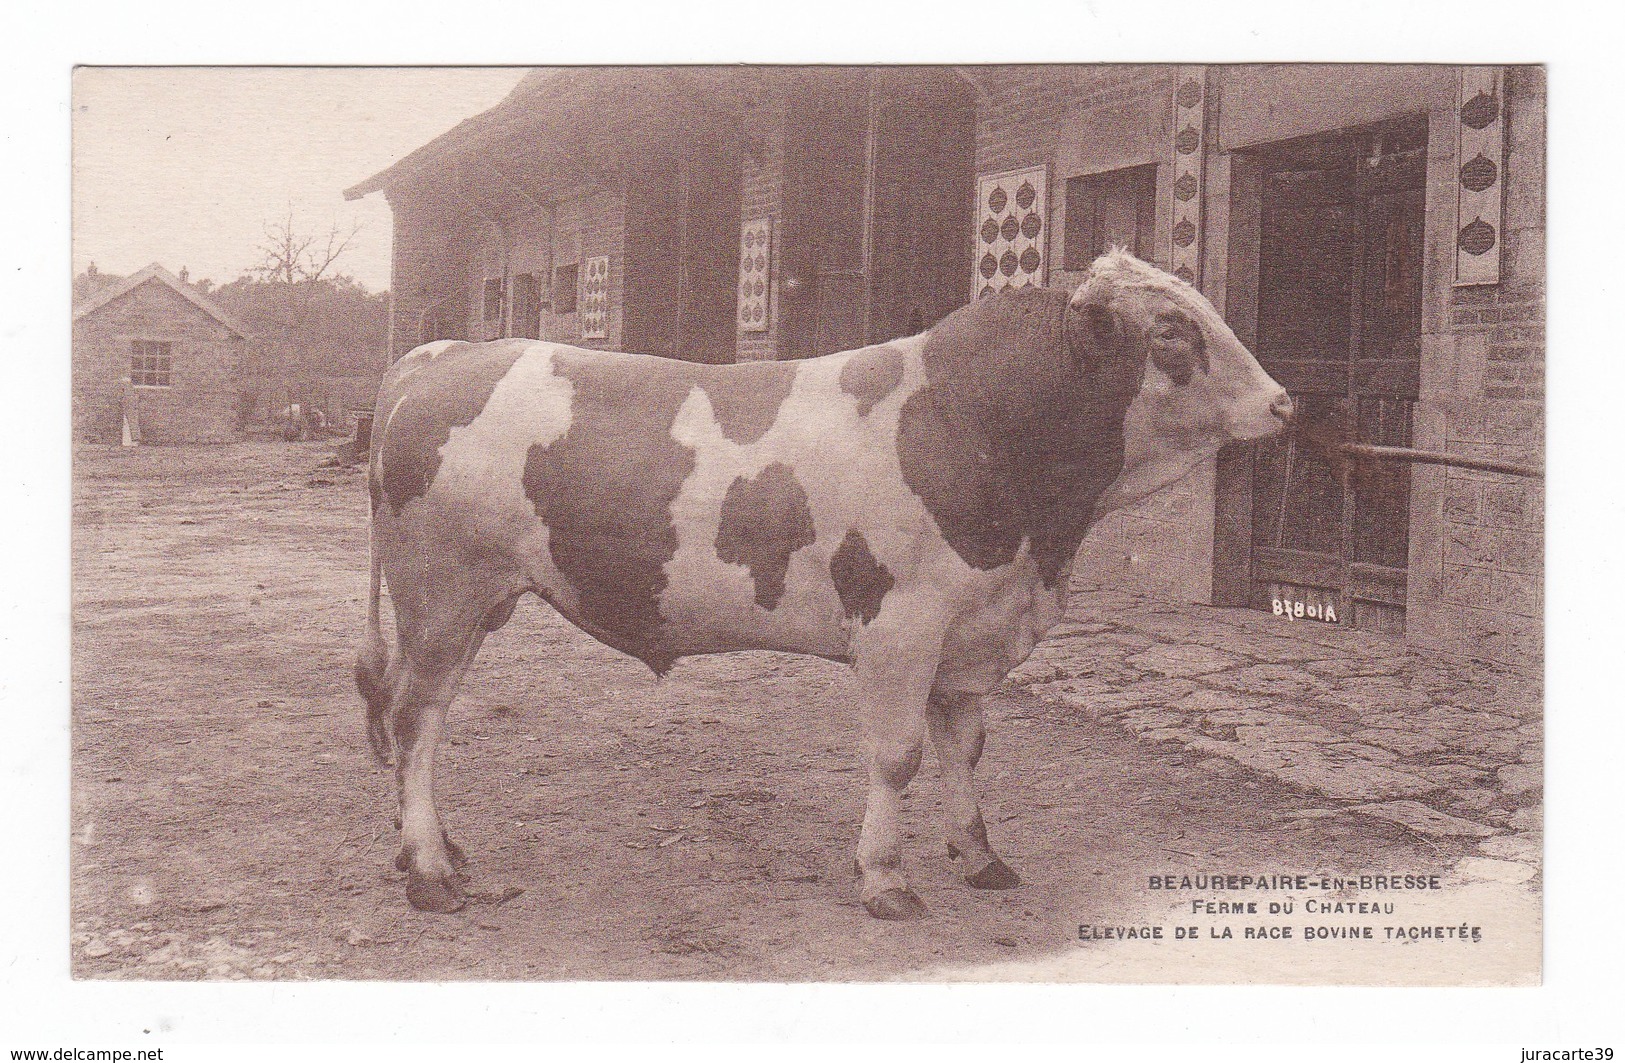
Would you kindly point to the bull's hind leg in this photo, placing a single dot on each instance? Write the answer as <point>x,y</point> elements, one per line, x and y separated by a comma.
<point>958,733</point>
<point>424,690</point>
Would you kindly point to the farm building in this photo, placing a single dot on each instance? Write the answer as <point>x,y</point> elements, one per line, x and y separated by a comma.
<point>1374,233</point>
<point>155,361</point>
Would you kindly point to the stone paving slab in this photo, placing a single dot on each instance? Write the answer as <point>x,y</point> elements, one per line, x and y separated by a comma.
<point>1425,820</point>
<point>1444,746</point>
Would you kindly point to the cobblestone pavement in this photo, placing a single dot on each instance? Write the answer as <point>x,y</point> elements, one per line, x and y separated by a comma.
<point>1443,746</point>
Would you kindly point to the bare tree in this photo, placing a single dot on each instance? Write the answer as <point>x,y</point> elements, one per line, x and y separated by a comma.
<point>290,297</point>
<point>289,256</point>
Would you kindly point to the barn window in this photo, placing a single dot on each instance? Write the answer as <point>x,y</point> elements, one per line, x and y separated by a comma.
<point>493,299</point>
<point>1106,210</point>
<point>149,363</point>
<point>527,306</point>
<point>564,289</point>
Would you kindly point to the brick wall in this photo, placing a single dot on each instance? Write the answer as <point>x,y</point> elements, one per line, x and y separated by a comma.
<point>1050,114</point>
<point>1475,539</point>
<point>443,258</point>
<point>1478,538</point>
<point>530,250</point>
<point>586,226</point>
<point>199,406</point>
<point>430,269</point>
<point>1071,119</point>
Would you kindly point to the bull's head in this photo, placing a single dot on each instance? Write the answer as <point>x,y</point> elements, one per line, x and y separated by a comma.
<point>1199,388</point>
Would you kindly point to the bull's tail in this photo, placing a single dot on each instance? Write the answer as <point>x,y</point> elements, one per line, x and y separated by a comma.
<point>372,662</point>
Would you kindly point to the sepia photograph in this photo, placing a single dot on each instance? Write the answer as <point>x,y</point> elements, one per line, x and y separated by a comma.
<point>1042,523</point>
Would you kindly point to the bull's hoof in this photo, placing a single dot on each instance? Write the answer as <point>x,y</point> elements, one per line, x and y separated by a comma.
<point>454,853</point>
<point>899,902</point>
<point>434,895</point>
<point>995,876</point>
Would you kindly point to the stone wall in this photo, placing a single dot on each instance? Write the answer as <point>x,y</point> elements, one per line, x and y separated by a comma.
<point>1478,540</point>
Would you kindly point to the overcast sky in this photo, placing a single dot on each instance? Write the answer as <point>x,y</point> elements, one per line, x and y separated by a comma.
<point>184,166</point>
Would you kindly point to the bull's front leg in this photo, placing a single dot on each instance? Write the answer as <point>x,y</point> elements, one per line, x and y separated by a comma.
<point>958,733</point>
<point>894,671</point>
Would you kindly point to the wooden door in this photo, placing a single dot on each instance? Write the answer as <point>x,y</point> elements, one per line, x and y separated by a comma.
<point>654,254</point>
<point>1339,325</point>
<point>682,248</point>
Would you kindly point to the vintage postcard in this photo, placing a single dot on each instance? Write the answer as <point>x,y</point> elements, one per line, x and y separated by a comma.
<point>1063,523</point>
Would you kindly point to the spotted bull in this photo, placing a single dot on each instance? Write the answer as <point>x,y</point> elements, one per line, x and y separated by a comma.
<point>910,508</point>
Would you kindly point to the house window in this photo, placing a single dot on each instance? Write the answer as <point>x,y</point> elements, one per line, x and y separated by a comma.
<point>1106,210</point>
<point>149,363</point>
<point>493,299</point>
<point>564,289</point>
<point>527,307</point>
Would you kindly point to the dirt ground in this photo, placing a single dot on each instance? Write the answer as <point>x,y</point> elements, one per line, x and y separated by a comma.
<point>228,821</point>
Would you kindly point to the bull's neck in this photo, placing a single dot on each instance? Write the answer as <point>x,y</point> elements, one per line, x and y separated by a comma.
<point>1022,447</point>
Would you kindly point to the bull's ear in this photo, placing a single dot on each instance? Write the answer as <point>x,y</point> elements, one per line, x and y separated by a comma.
<point>1104,345</point>
<point>1092,330</point>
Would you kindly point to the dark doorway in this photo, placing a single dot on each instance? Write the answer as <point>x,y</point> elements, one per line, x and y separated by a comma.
<point>1339,325</point>
<point>879,170</point>
<point>923,200</point>
<point>1117,208</point>
<point>826,237</point>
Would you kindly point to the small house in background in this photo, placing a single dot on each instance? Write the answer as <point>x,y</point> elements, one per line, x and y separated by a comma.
<point>155,361</point>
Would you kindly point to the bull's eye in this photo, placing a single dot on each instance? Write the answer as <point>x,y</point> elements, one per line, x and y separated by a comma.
<point>1173,357</point>
<point>1177,348</point>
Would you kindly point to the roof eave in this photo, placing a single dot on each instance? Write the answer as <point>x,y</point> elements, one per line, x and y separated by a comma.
<point>114,292</point>
<point>458,138</point>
